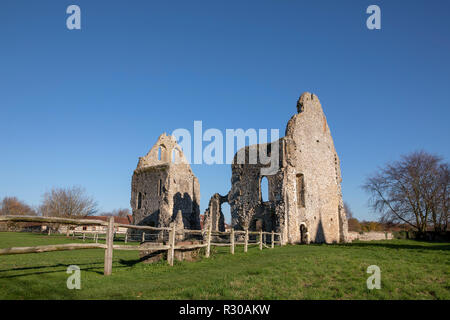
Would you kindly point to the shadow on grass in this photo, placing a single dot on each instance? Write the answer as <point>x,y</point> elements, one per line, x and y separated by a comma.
<point>60,267</point>
<point>131,263</point>
<point>419,246</point>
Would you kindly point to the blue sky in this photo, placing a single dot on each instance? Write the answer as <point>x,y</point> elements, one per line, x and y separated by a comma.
<point>78,107</point>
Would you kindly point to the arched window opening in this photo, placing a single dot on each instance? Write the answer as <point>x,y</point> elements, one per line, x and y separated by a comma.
<point>159,153</point>
<point>264,189</point>
<point>226,210</point>
<point>139,202</point>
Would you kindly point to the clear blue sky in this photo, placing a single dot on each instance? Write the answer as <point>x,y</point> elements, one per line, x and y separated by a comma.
<point>79,107</point>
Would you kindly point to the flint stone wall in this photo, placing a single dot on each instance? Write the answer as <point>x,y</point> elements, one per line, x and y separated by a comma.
<point>369,236</point>
<point>214,213</point>
<point>163,184</point>
<point>305,191</point>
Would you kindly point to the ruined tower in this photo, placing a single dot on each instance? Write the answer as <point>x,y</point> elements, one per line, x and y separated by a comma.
<point>304,195</point>
<point>162,185</point>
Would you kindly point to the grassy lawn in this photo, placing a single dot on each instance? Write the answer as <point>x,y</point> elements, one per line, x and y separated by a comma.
<point>409,270</point>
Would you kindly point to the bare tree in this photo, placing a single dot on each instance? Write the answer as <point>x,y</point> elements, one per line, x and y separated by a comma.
<point>413,190</point>
<point>68,202</point>
<point>353,223</point>
<point>438,200</point>
<point>123,212</point>
<point>348,211</point>
<point>14,207</point>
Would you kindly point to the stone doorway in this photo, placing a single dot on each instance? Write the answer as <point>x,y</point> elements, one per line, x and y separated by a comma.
<point>304,234</point>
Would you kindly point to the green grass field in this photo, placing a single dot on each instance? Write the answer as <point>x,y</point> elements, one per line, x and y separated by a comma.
<point>409,270</point>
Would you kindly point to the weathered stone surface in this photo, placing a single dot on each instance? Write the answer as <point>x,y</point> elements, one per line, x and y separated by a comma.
<point>150,255</point>
<point>162,185</point>
<point>187,254</point>
<point>305,200</point>
<point>369,236</point>
<point>214,213</point>
<point>179,225</point>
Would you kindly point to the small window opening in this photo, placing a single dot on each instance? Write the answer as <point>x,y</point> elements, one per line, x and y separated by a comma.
<point>264,189</point>
<point>300,190</point>
<point>139,204</point>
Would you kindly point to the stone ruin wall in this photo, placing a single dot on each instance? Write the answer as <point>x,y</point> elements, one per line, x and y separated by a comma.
<point>308,161</point>
<point>304,194</point>
<point>213,213</point>
<point>162,187</point>
<point>310,152</point>
<point>245,199</point>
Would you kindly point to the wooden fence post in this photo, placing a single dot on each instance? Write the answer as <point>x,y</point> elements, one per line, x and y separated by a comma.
<point>171,251</point>
<point>232,241</point>
<point>49,230</point>
<point>246,240</point>
<point>109,247</point>
<point>126,237</point>
<point>143,236</point>
<point>84,236</point>
<point>96,237</point>
<point>208,240</point>
<point>260,239</point>
<point>272,239</point>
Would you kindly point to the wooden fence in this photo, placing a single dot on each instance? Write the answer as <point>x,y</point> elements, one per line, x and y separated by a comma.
<point>170,247</point>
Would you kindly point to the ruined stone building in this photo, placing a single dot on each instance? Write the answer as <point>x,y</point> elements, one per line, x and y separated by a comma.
<point>304,192</point>
<point>304,195</point>
<point>164,189</point>
<point>213,215</point>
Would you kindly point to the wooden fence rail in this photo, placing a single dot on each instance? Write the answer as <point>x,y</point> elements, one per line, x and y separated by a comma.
<point>53,247</point>
<point>109,245</point>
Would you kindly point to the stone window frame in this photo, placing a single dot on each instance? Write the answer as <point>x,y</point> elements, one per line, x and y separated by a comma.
<point>176,155</point>
<point>161,154</point>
